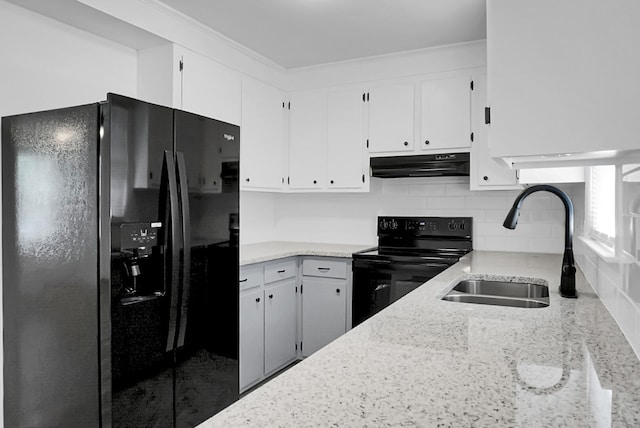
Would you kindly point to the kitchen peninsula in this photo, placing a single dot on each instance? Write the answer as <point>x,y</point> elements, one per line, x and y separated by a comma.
<point>428,362</point>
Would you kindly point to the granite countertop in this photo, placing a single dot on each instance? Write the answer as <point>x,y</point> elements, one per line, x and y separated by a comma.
<point>427,362</point>
<point>265,251</point>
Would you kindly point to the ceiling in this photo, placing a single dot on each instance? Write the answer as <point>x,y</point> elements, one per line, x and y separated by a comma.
<point>298,33</point>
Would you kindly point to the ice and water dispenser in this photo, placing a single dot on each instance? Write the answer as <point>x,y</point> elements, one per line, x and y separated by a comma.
<point>141,258</point>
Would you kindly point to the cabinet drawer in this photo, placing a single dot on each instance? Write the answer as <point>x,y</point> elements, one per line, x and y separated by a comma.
<point>279,270</point>
<point>250,276</point>
<point>324,268</point>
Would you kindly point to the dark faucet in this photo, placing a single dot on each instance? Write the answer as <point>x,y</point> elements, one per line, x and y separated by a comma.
<point>568,276</point>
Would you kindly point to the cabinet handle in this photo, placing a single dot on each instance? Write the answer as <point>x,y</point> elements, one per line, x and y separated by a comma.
<point>150,175</point>
<point>324,269</point>
<point>246,179</point>
<point>338,290</point>
<point>257,300</point>
<point>244,280</point>
<point>406,143</point>
<point>282,271</point>
<point>363,178</point>
<point>271,296</point>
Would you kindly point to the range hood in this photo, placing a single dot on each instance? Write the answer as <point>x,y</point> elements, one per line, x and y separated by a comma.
<point>437,165</point>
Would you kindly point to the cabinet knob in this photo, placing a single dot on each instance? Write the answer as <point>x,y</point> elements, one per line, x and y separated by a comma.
<point>338,290</point>
<point>246,179</point>
<point>485,178</point>
<point>406,143</point>
<point>257,300</point>
<point>315,181</point>
<point>331,181</point>
<point>215,182</point>
<point>271,296</point>
<point>150,175</point>
<point>426,142</point>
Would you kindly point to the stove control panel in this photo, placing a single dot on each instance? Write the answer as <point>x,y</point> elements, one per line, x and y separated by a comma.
<point>438,226</point>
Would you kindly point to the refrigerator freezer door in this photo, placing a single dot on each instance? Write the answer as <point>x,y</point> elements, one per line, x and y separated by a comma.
<point>50,268</point>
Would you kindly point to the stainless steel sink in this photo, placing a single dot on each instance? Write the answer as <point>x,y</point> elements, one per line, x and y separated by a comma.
<point>501,293</point>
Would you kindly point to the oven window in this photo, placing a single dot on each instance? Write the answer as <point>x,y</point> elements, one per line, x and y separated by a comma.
<point>376,287</point>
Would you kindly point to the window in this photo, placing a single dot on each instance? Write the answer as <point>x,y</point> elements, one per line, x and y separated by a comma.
<point>602,203</point>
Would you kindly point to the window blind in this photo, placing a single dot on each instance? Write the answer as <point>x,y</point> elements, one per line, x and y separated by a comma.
<point>603,203</point>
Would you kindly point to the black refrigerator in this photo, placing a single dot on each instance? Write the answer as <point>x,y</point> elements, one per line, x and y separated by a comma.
<point>120,266</point>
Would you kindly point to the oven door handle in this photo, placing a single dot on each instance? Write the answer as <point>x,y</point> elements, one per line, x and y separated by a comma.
<point>381,287</point>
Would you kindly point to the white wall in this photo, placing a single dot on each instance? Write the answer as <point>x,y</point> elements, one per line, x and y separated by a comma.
<point>46,64</point>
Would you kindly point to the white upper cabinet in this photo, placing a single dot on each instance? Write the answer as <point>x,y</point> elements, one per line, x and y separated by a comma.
<point>262,144</point>
<point>446,113</point>
<point>176,77</point>
<point>486,173</point>
<point>347,156</point>
<point>391,118</point>
<point>210,89</point>
<point>563,76</point>
<point>307,140</point>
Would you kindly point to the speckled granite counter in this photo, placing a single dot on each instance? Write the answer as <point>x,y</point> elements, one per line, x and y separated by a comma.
<point>265,251</point>
<point>427,362</point>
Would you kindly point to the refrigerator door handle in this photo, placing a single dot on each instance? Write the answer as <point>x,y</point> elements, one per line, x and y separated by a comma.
<point>169,177</point>
<point>186,263</point>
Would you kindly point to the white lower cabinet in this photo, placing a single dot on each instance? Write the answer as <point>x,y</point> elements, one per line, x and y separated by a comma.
<point>325,286</point>
<point>324,312</point>
<point>251,337</point>
<point>274,318</point>
<point>268,314</point>
<point>279,325</point>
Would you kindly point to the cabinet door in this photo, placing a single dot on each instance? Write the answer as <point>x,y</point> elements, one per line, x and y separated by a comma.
<point>446,113</point>
<point>324,312</point>
<point>346,141</point>
<point>262,152</point>
<point>391,118</point>
<point>279,325</point>
<point>307,144</point>
<point>487,173</point>
<point>210,89</point>
<point>556,85</point>
<point>251,337</point>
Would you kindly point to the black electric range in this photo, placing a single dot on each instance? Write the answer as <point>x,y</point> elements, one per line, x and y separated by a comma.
<point>411,250</point>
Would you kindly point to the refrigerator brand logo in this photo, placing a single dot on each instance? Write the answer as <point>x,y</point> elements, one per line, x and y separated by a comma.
<point>229,137</point>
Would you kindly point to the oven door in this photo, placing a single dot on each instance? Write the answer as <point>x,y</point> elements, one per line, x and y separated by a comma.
<point>378,283</point>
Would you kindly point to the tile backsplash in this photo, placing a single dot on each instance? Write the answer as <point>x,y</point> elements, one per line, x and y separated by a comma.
<point>351,217</point>
<point>617,282</point>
